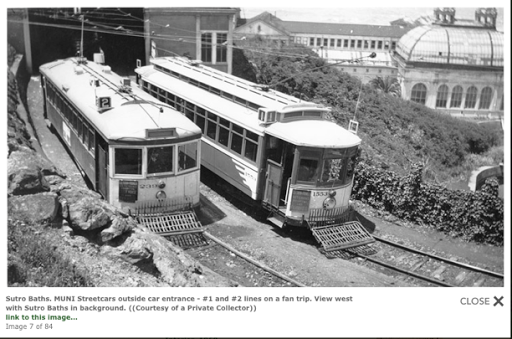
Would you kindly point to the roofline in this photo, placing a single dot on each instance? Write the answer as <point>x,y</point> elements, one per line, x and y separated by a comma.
<point>195,10</point>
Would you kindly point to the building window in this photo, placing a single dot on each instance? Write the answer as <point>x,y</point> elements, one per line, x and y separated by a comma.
<point>366,44</point>
<point>442,96</point>
<point>318,41</point>
<point>214,47</point>
<point>332,42</point>
<point>393,45</point>
<point>312,41</point>
<point>338,43</point>
<point>352,43</point>
<point>456,97</point>
<point>386,44</point>
<point>206,47</point>
<point>379,44</point>
<point>419,93</point>
<point>222,51</point>
<point>485,98</point>
<point>372,44</point>
<point>471,97</point>
<point>359,43</point>
<point>345,43</point>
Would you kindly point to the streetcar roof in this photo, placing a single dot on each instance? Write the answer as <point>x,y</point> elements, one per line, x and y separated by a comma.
<point>314,133</point>
<point>228,83</point>
<point>133,113</point>
<point>211,102</point>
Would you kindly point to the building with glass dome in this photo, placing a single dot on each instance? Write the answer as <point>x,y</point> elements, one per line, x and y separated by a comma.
<point>454,65</point>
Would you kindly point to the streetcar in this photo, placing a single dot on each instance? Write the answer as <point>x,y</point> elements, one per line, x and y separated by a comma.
<point>282,152</point>
<point>138,153</point>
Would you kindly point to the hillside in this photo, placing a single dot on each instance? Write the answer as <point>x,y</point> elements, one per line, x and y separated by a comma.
<point>396,133</point>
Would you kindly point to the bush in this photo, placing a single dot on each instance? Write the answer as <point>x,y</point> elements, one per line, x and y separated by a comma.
<point>474,216</point>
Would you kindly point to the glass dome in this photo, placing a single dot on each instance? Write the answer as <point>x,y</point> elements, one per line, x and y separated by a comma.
<point>452,45</point>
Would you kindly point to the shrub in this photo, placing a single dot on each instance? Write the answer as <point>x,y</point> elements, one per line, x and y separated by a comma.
<point>474,216</point>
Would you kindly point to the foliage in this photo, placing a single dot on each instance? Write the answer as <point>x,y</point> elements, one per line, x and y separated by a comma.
<point>33,260</point>
<point>389,85</point>
<point>474,216</point>
<point>395,132</point>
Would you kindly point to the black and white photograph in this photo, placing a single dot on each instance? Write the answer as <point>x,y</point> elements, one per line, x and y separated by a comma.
<point>304,163</point>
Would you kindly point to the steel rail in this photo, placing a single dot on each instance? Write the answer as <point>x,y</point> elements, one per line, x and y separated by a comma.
<point>418,276</point>
<point>455,263</point>
<point>252,261</point>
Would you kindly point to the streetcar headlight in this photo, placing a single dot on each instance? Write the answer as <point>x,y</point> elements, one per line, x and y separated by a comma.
<point>160,195</point>
<point>329,203</point>
<point>161,184</point>
<point>332,193</point>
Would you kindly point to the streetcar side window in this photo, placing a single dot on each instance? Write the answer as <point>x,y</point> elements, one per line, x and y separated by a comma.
<point>211,129</point>
<point>352,162</point>
<point>237,138</point>
<point>91,140</point>
<point>160,159</point>
<point>223,132</point>
<point>187,156</point>
<point>251,145</point>
<point>128,161</point>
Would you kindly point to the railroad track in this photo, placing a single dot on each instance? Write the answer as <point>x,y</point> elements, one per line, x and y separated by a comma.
<point>422,268</point>
<point>237,266</point>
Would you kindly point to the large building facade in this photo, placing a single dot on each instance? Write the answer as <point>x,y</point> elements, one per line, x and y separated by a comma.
<point>335,42</point>
<point>455,66</point>
<point>199,33</point>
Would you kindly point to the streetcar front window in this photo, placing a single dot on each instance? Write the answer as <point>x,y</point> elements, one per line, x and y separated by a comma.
<point>187,156</point>
<point>307,170</point>
<point>160,159</point>
<point>333,170</point>
<point>128,161</point>
<point>338,166</point>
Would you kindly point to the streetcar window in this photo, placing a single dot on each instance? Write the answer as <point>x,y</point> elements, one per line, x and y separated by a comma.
<point>352,162</point>
<point>187,156</point>
<point>223,135</point>
<point>200,110</point>
<point>128,161</point>
<point>211,130</point>
<point>91,140</point>
<point>237,129</point>
<point>251,135</point>
<point>170,100</point>
<point>307,170</point>
<point>85,137</point>
<point>236,143</point>
<point>160,159</point>
<point>74,121</point>
<point>189,113</point>
<point>200,122</point>
<point>251,150</point>
<point>333,170</point>
<point>79,128</point>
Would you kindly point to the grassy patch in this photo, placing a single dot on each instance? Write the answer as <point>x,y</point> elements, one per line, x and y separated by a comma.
<point>34,261</point>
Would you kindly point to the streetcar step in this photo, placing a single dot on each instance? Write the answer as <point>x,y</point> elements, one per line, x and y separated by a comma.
<point>342,236</point>
<point>170,224</point>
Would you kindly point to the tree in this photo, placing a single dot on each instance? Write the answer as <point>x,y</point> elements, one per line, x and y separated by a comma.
<point>388,85</point>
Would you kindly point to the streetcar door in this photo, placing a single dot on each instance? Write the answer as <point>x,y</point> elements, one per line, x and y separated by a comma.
<point>273,184</point>
<point>103,169</point>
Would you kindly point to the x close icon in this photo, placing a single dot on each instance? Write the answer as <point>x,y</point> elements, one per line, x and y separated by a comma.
<point>498,301</point>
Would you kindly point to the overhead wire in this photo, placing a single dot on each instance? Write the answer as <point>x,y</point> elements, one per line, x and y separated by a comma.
<point>121,30</point>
